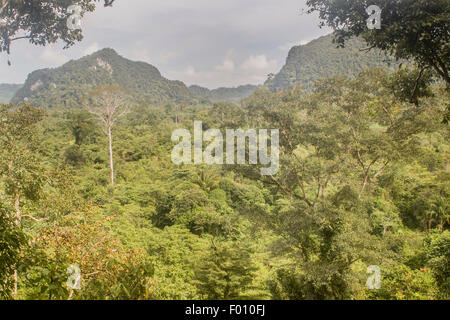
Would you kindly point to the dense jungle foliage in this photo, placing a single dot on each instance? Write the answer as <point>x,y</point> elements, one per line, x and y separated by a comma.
<point>89,192</point>
<point>363,181</point>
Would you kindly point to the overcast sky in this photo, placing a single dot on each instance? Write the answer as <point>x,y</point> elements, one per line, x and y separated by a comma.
<point>212,43</point>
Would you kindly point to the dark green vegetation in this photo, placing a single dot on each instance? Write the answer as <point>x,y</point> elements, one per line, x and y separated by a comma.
<point>66,85</point>
<point>223,94</point>
<point>40,22</point>
<point>321,58</point>
<point>363,181</point>
<point>413,30</point>
<point>7,91</point>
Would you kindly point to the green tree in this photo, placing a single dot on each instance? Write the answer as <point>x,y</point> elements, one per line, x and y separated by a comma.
<point>20,168</point>
<point>81,125</point>
<point>335,144</point>
<point>225,271</point>
<point>108,104</point>
<point>437,253</point>
<point>40,22</point>
<point>415,30</point>
<point>12,240</point>
<point>108,270</point>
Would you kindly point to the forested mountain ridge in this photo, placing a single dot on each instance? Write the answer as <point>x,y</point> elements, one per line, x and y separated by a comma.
<point>64,86</point>
<point>7,91</point>
<point>321,58</point>
<point>224,94</point>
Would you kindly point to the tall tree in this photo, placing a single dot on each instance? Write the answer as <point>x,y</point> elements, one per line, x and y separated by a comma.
<point>226,271</point>
<point>19,164</point>
<point>12,239</point>
<point>20,168</point>
<point>108,103</point>
<point>80,124</point>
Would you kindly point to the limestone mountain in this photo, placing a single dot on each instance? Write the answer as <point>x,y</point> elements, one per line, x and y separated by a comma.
<point>66,85</point>
<point>63,87</point>
<point>321,58</point>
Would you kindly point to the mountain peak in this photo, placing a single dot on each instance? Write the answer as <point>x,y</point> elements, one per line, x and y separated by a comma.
<point>66,85</point>
<point>110,51</point>
<point>105,53</point>
<point>321,58</point>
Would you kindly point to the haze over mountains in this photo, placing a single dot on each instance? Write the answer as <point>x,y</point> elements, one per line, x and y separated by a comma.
<point>224,94</point>
<point>7,91</point>
<point>66,85</point>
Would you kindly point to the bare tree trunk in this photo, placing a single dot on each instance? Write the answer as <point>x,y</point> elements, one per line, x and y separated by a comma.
<point>3,5</point>
<point>15,282</point>
<point>366,179</point>
<point>17,208</point>
<point>109,104</point>
<point>18,218</point>
<point>18,222</point>
<point>111,162</point>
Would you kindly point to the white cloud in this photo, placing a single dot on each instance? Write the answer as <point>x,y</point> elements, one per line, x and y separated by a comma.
<point>141,52</point>
<point>252,70</point>
<point>53,56</point>
<point>259,63</point>
<point>174,34</point>
<point>167,57</point>
<point>226,66</point>
<point>307,40</point>
<point>190,72</point>
<point>288,45</point>
<point>91,49</point>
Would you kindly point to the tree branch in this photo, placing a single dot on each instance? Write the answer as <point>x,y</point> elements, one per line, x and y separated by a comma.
<point>2,7</point>
<point>33,218</point>
<point>416,85</point>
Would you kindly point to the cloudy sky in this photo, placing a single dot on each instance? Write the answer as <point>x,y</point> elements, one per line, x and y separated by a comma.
<point>212,43</point>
